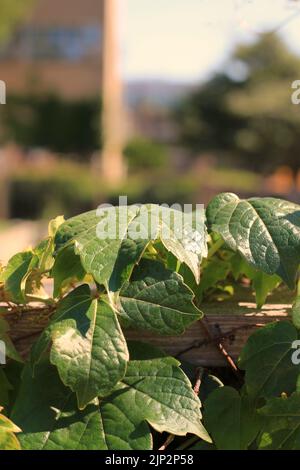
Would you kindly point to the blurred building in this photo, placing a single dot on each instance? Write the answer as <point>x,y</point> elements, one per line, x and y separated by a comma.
<point>58,49</point>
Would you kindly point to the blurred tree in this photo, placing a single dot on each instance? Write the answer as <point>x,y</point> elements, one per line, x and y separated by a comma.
<point>11,12</point>
<point>205,120</point>
<point>248,111</point>
<point>144,154</point>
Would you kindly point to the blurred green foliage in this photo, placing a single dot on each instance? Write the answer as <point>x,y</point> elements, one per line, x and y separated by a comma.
<point>246,112</point>
<point>53,123</point>
<point>144,154</point>
<point>69,188</point>
<point>65,189</point>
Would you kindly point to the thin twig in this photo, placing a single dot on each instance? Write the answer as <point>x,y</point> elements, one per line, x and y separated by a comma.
<point>199,375</point>
<point>229,359</point>
<point>221,348</point>
<point>167,442</point>
<point>218,338</point>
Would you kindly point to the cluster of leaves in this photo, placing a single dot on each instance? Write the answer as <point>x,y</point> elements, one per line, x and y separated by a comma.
<point>264,413</point>
<point>85,387</point>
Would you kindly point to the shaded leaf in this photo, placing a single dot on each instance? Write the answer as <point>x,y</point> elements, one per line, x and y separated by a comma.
<point>48,414</point>
<point>216,270</point>
<point>5,388</point>
<point>282,424</point>
<point>262,283</point>
<point>267,360</point>
<point>209,383</point>
<point>231,419</point>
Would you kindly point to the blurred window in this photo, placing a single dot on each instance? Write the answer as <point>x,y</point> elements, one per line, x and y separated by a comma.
<point>67,43</point>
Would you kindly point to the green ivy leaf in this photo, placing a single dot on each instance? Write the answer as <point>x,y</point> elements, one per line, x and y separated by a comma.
<point>91,362</point>
<point>14,273</point>
<point>209,383</point>
<point>109,259</point>
<point>74,306</point>
<point>216,270</point>
<point>172,405</point>
<point>88,346</point>
<point>54,225</point>
<point>156,299</point>
<point>44,252</point>
<point>8,440</point>
<point>192,247</point>
<point>282,424</point>
<point>41,263</point>
<point>113,258</point>
<point>154,391</point>
<point>230,419</point>
<point>67,267</point>
<point>262,283</point>
<point>267,360</point>
<point>265,231</point>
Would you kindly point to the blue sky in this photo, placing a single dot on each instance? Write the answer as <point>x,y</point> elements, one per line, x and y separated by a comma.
<point>186,40</point>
